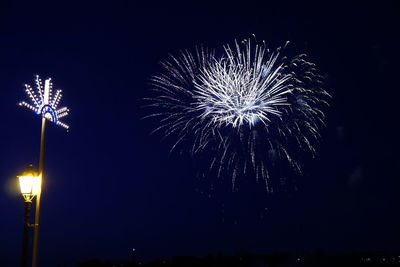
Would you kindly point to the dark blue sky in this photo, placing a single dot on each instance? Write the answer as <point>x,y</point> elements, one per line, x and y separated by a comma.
<point>111,186</point>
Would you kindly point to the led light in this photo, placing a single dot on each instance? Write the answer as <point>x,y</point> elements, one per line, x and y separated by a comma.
<point>44,102</point>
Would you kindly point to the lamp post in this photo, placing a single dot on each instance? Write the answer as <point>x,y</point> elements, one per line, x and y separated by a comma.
<point>38,198</point>
<point>45,104</point>
<point>30,185</point>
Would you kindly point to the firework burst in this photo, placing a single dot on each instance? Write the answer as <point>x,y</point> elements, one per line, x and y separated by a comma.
<point>247,108</point>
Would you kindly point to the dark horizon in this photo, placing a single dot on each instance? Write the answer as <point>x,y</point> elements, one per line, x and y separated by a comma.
<point>111,186</point>
<point>244,259</point>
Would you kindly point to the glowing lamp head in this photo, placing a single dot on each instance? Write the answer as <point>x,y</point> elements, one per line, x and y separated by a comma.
<point>30,183</point>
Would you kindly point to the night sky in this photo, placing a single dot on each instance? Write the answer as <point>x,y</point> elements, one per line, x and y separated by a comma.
<point>112,186</point>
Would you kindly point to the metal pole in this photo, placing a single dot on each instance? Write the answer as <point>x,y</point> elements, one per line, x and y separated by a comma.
<point>37,212</point>
<point>25,240</point>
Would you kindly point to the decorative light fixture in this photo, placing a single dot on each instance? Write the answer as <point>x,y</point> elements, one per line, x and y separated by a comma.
<point>44,103</point>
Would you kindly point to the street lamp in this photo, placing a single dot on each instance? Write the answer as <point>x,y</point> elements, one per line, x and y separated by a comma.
<point>30,184</point>
<point>45,104</point>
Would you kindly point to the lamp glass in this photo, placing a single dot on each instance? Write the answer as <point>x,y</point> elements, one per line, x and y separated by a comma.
<point>26,184</point>
<point>37,185</point>
<point>30,186</point>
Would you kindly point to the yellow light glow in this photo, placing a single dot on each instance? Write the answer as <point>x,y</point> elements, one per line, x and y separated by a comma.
<point>30,184</point>
<point>26,184</point>
<point>37,185</point>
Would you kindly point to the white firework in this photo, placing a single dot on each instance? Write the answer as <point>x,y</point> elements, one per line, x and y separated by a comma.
<point>247,107</point>
<point>44,103</point>
<point>242,88</point>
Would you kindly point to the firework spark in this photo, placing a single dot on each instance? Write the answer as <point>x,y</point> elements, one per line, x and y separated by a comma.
<point>247,107</point>
<point>44,103</point>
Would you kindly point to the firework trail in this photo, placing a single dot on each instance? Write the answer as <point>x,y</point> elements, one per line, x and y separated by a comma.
<point>248,107</point>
